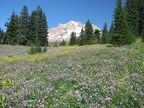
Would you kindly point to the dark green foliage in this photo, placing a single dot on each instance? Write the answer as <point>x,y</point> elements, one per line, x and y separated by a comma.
<point>135,16</point>
<point>38,27</point>
<point>23,26</point>
<point>88,35</point>
<point>24,30</point>
<point>36,48</point>
<point>143,35</point>
<point>111,32</point>
<point>45,49</point>
<point>122,34</point>
<point>104,38</point>
<point>63,43</point>
<point>12,30</point>
<point>132,15</point>
<point>72,39</point>
<point>32,27</point>
<point>81,38</point>
<point>41,27</point>
<point>55,44</point>
<point>141,16</point>
<point>88,38</point>
<point>97,36</point>
<point>2,36</point>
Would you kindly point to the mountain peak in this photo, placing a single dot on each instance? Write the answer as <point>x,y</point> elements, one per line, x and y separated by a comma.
<point>63,31</point>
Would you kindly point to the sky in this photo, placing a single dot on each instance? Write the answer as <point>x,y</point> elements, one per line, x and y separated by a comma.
<point>62,11</point>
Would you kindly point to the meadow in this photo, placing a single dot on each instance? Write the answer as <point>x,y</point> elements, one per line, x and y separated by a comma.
<point>94,76</point>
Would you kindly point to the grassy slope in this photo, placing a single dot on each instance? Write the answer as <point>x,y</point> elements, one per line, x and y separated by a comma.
<point>87,76</point>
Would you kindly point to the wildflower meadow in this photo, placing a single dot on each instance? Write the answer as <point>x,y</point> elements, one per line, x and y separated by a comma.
<point>94,76</point>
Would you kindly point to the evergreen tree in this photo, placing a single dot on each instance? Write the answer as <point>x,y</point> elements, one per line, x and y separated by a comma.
<point>143,35</point>
<point>24,26</point>
<point>12,30</point>
<point>111,32</point>
<point>104,38</point>
<point>63,43</point>
<point>88,39</point>
<point>132,15</point>
<point>32,34</point>
<point>2,36</point>
<point>97,36</point>
<point>45,30</point>
<point>72,39</point>
<point>55,44</point>
<point>141,17</point>
<point>122,34</point>
<point>81,38</point>
<point>41,27</point>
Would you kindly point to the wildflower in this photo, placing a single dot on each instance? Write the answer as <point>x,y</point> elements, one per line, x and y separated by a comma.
<point>24,102</point>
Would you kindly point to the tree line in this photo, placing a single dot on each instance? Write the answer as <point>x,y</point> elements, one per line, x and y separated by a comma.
<point>26,29</point>
<point>126,26</point>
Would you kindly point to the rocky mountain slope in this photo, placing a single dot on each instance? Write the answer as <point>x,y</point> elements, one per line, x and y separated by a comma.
<point>63,31</point>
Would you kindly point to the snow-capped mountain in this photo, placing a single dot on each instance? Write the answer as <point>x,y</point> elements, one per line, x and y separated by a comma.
<point>63,31</point>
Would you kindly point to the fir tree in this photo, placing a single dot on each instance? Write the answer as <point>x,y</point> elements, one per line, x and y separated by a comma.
<point>12,30</point>
<point>111,32</point>
<point>41,27</point>
<point>81,38</point>
<point>104,38</point>
<point>45,30</point>
<point>97,35</point>
<point>88,39</point>
<point>55,44</point>
<point>2,35</point>
<point>122,34</point>
<point>63,43</point>
<point>132,15</point>
<point>32,28</point>
<point>141,17</point>
<point>72,39</point>
<point>24,26</point>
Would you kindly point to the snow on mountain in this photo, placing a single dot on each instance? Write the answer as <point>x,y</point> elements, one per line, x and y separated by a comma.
<point>63,31</point>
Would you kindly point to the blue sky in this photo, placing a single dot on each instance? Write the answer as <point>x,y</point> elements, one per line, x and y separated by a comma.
<point>62,11</point>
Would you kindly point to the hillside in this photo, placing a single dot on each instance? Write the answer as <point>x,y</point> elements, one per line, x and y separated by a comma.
<point>91,76</point>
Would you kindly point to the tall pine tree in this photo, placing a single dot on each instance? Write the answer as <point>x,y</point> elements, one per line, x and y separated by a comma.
<point>72,39</point>
<point>24,26</point>
<point>88,39</point>
<point>122,34</point>
<point>141,18</point>
<point>81,38</point>
<point>63,43</point>
<point>12,30</point>
<point>41,27</point>
<point>97,36</point>
<point>32,34</point>
<point>111,32</point>
<point>104,38</point>
<point>2,36</point>
<point>132,15</point>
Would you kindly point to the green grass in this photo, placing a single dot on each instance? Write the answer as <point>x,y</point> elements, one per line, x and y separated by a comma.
<point>92,76</point>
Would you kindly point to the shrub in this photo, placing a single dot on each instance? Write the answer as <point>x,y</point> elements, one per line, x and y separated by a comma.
<point>63,43</point>
<point>56,44</point>
<point>45,49</point>
<point>35,49</point>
